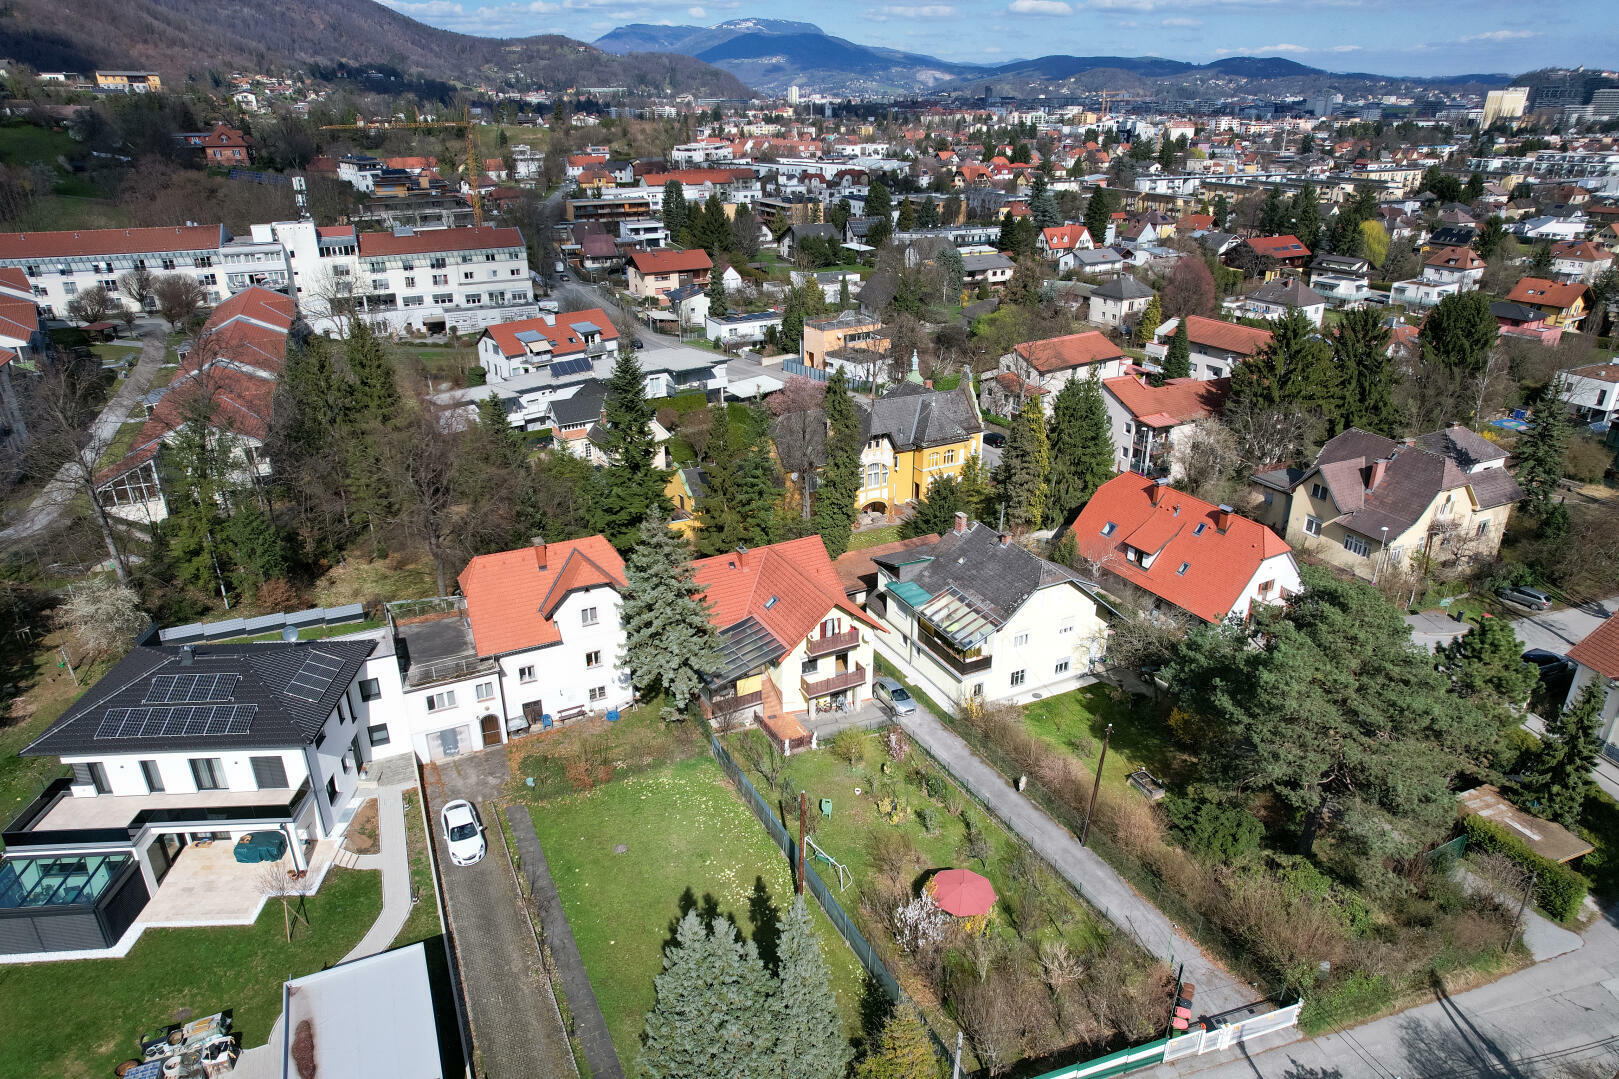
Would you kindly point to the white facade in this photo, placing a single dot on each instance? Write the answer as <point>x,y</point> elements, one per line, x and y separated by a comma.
<point>1593,392</point>
<point>740,329</point>
<point>465,289</point>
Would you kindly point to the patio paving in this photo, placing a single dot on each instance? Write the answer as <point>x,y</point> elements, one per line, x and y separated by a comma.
<point>208,886</point>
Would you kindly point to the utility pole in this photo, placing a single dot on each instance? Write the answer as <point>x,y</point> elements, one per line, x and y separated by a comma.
<point>1096,786</point>
<point>1528,889</point>
<point>803,834</point>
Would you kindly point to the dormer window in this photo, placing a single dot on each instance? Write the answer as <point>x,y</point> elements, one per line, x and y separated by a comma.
<point>771,602</point>
<point>1109,528</point>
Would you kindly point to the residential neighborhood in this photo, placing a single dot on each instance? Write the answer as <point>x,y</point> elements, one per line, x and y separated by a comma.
<point>546,541</point>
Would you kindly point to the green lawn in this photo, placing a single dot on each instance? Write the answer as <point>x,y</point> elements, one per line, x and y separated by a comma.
<point>690,841</point>
<point>357,580</point>
<point>1075,722</point>
<point>423,922</point>
<point>874,536</point>
<point>74,1020</point>
<point>45,690</point>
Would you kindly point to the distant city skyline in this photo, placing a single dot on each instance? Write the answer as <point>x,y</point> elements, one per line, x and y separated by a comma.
<point>1423,37</point>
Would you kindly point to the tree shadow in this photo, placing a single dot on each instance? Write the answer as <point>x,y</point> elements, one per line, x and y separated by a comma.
<point>708,910</point>
<point>1453,1042</point>
<point>764,915</point>
<point>1295,1070</point>
<point>875,1008</point>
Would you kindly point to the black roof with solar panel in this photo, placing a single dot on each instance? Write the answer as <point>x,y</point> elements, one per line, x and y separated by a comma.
<point>209,696</point>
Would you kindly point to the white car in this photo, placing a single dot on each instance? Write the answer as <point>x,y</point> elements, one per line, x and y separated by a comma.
<point>463,832</point>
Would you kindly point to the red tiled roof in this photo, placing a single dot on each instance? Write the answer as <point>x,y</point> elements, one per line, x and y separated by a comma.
<point>697,176</point>
<point>787,587</point>
<point>1195,222</point>
<point>1065,237</point>
<point>663,261</point>
<point>1543,293</point>
<point>1279,247</point>
<point>1072,350</point>
<point>1229,336</point>
<point>28,245</point>
<point>1600,649</point>
<point>1455,258</point>
<point>414,164</point>
<point>1177,401</point>
<point>1582,250</point>
<point>376,244</point>
<point>557,329</point>
<point>19,319</point>
<point>512,595</point>
<point>12,279</point>
<point>857,569</point>
<point>1219,564</point>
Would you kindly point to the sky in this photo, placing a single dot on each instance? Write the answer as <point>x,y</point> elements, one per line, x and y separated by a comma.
<point>1396,37</point>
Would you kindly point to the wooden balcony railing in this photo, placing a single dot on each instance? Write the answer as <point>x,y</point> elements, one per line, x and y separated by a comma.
<point>837,642</point>
<point>846,680</point>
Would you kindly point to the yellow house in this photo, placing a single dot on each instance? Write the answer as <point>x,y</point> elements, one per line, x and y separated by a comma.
<point>1562,302</point>
<point>1375,506</point>
<point>914,435</point>
<point>129,82</point>
<point>684,488</point>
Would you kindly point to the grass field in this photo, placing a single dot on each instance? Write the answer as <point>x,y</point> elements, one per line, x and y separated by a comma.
<point>423,922</point>
<point>691,841</point>
<point>45,690</point>
<point>1075,722</point>
<point>873,536</point>
<point>77,1020</point>
<point>358,580</point>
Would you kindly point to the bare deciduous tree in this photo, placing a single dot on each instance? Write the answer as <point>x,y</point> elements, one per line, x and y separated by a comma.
<point>800,431</point>
<point>422,457</point>
<point>92,305</point>
<point>102,616</point>
<point>179,297</point>
<point>1208,461</point>
<point>1267,436</point>
<point>136,286</point>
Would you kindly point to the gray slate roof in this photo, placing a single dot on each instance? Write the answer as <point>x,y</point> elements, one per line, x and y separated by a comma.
<point>1290,292</point>
<point>1121,288</point>
<point>983,263</point>
<point>263,673</point>
<point>997,577</point>
<point>582,406</point>
<point>912,416</point>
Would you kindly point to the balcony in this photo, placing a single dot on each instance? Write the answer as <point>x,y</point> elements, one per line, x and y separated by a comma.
<point>827,645</point>
<point>56,818</point>
<point>846,680</point>
<point>736,702</point>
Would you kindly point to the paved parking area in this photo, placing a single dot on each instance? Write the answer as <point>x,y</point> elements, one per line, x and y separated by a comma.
<point>516,1029</point>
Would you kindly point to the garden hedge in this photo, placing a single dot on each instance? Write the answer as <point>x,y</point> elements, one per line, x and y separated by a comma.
<point>1559,890</point>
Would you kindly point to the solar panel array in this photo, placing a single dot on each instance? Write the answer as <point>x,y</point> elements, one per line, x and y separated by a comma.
<point>190,688</point>
<point>573,365</point>
<point>314,678</point>
<point>177,721</point>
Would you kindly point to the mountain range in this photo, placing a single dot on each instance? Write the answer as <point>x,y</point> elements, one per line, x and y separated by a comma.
<point>772,54</point>
<point>207,38</point>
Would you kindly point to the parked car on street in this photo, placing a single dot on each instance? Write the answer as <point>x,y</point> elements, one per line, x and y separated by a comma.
<point>994,438</point>
<point>892,696</point>
<point>1532,598</point>
<point>463,832</point>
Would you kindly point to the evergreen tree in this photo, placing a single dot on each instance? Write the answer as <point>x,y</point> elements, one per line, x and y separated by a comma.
<point>1490,237</point>
<point>709,1021</point>
<point>1487,661</point>
<point>1540,262</point>
<point>1043,209</point>
<point>1294,369</point>
<point>1081,440</point>
<point>928,216</point>
<point>674,208</point>
<point>835,504</point>
<point>1459,333</point>
<point>1306,215</point>
<point>1561,775</point>
<point>373,410</point>
<point>936,511</point>
<point>843,293</point>
<point>1542,450</point>
<point>976,489</point>
<point>878,232</point>
<point>739,487</point>
<point>257,550</point>
<point>1007,240</point>
<point>1178,358</point>
<point>716,295</point>
<point>669,642</point>
<point>632,484</point>
<point>1166,155</point>
<point>907,215</point>
<point>1474,188</point>
<point>1151,318</point>
<point>1220,210</point>
<point>808,1031</point>
<point>745,232</point>
<point>902,1050</point>
<point>1025,464</point>
<point>1360,348</point>
<point>1274,217</point>
<point>1098,212</point>
<point>196,471</point>
<point>878,201</point>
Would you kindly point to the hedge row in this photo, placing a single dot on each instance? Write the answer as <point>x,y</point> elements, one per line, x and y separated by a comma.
<point>1559,890</point>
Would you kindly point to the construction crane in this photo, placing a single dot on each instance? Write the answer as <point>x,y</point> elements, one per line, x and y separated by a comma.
<point>474,171</point>
<point>1109,96</point>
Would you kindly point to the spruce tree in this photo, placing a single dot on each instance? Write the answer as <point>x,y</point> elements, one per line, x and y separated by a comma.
<point>1098,212</point>
<point>669,641</point>
<point>1151,317</point>
<point>1178,358</point>
<point>710,1019</point>
<point>1542,449</point>
<point>1081,440</point>
<point>373,409</point>
<point>1561,775</point>
<point>1306,214</point>
<point>674,208</point>
<point>1360,349</point>
<point>1220,209</point>
<point>809,1041</point>
<point>976,487</point>
<point>1487,661</point>
<point>878,201</point>
<point>632,484</point>
<point>835,509</point>
<point>927,217</point>
<point>907,215</point>
<point>1025,464</point>
<point>1043,209</point>
<point>902,1050</point>
<point>1294,369</point>
<point>716,295</point>
<point>936,512</point>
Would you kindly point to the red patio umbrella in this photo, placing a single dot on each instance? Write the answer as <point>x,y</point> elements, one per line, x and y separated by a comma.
<point>963,893</point>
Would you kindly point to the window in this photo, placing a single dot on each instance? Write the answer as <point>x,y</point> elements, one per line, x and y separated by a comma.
<point>1061,667</point>
<point>809,667</point>
<point>153,777</point>
<point>949,457</point>
<point>1065,626</point>
<point>525,674</point>
<point>1109,528</point>
<point>876,475</point>
<point>978,689</point>
<point>97,773</point>
<point>344,714</point>
<point>438,702</point>
<point>331,790</point>
<point>598,693</point>
<point>486,691</point>
<point>269,773</point>
<point>587,617</point>
<point>378,734</point>
<point>1270,497</point>
<point>436,262</point>
<point>1483,529</point>
<point>1021,640</point>
<point>442,298</point>
<point>593,659</point>
<point>1018,677</point>
<point>1201,526</point>
<point>370,689</point>
<point>441,279</point>
<point>208,773</point>
<point>1182,571</point>
<point>1312,526</point>
<point>933,460</point>
<point>1357,546</point>
<point>1216,372</point>
<point>1318,491</point>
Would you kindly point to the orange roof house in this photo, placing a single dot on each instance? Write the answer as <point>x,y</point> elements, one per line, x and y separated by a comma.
<point>1565,304</point>
<point>656,272</point>
<point>513,597</point>
<point>1201,558</point>
<point>1056,355</point>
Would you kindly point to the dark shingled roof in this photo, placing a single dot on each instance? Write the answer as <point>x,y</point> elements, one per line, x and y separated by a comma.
<point>997,577</point>
<point>912,416</point>
<point>263,676</point>
<point>582,406</point>
<point>1123,288</point>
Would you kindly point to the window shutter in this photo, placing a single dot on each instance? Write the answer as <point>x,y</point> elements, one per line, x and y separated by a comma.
<point>269,773</point>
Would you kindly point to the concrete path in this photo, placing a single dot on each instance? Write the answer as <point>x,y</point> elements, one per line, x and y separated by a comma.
<point>588,1024</point>
<point>1217,990</point>
<point>48,505</point>
<point>394,862</point>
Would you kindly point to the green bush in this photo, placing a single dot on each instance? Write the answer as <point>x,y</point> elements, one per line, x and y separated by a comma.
<point>1215,832</point>
<point>1559,890</point>
<point>1357,997</point>
<point>476,375</point>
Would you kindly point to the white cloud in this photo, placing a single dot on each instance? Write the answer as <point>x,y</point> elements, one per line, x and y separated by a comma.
<point>1283,47</point>
<point>696,12</point>
<point>428,8</point>
<point>920,11</point>
<point>1040,7</point>
<point>1181,22</point>
<point>1344,48</point>
<point>1500,35</point>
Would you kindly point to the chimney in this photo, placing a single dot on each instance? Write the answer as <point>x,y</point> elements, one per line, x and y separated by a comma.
<point>1160,489</point>
<point>1006,537</point>
<point>961,523</point>
<point>538,543</point>
<point>1379,467</point>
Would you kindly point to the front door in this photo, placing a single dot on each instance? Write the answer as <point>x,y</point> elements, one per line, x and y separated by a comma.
<point>164,850</point>
<point>491,730</point>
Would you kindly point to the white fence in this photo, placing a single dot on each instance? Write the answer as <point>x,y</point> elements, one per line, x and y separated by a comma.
<point>1226,1035</point>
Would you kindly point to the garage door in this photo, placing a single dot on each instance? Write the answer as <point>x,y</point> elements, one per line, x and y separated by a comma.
<point>448,743</point>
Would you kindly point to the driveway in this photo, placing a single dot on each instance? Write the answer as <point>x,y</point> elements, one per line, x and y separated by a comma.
<point>1556,631</point>
<point>516,1029</point>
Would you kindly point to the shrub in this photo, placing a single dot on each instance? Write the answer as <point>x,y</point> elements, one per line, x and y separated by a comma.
<point>476,375</point>
<point>1357,996</point>
<point>928,817</point>
<point>1216,832</point>
<point>1559,890</point>
<point>1586,459</point>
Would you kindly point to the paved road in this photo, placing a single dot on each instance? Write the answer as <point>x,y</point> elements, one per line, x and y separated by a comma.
<point>1560,1017</point>
<point>516,1029</point>
<point>49,504</point>
<point>1556,631</point>
<point>1217,991</point>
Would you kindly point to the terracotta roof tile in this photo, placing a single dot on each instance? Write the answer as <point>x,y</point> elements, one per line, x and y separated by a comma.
<point>26,245</point>
<point>1600,649</point>
<point>428,241</point>
<point>1543,293</point>
<point>787,587</point>
<point>1179,400</point>
<point>664,261</point>
<point>1074,350</point>
<point>1229,336</point>
<point>511,595</point>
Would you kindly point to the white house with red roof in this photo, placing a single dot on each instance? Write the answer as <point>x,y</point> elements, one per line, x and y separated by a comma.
<point>791,639</point>
<point>438,280</point>
<point>1596,659</point>
<point>230,372</point>
<point>1216,346</point>
<point>524,346</point>
<point>1446,271</point>
<point>1187,553</point>
<point>1059,243</point>
<point>1592,391</point>
<point>1580,260</point>
<point>652,274</point>
<point>1150,422</point>
<point>1053,362</point>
